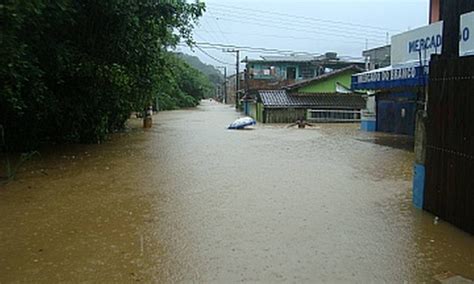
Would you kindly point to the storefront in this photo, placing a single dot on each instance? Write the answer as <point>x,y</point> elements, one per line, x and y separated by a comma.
<point>400,88</point>
<point>397,92</point>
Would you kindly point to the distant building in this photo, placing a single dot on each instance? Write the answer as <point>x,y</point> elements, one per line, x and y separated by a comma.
<point>377,57</point>
<point>326,97</point>
<point>274,72</point>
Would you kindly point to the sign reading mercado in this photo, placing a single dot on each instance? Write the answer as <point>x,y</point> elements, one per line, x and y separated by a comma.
<point>413,49</point>
<point>417,46</point>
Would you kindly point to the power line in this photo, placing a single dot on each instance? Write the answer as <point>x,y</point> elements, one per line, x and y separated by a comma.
<point>293,16</point>
<point>297,22</point>
<point>212,35</point>
<point>219,28</point>
<point>303,30</point>
<point>258,50</point>
<point>210,56</point>
<point>262,49</point>
<point>245,50</point>
<point>220,46</point>
<point>281,36</point>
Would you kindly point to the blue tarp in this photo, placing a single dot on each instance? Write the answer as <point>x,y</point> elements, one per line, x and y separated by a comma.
<point>242,122</point>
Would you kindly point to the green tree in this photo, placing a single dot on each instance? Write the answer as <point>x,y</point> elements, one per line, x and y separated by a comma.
<point>74,70</point>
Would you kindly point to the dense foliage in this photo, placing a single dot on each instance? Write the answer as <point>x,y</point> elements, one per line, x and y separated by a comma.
<point>214,75</point>
<point>182,85</point>
<point>74,70</point>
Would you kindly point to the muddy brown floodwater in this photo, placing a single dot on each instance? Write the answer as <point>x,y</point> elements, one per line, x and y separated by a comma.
<point>189,201</point>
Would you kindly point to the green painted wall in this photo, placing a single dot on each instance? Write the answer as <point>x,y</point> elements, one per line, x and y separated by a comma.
<point>328,85</point>
<point>256,111</point>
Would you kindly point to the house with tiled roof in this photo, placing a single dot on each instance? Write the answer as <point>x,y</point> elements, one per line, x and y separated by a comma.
<point>332,82</point>
<point>326,97</point>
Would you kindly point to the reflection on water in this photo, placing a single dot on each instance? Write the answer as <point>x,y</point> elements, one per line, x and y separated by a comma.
<point>190,200</point>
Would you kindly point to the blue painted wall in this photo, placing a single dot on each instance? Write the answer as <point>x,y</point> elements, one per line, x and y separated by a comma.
<point>396,113</point>
<point>418,185</point>
<point>368,125</point>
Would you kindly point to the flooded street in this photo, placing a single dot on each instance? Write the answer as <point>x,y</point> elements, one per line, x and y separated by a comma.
<point>189,200</point>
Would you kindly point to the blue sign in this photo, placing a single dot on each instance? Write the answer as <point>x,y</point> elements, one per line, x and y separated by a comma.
<point>391,78</point>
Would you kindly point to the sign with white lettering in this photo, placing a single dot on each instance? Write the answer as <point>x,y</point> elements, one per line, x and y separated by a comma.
<point>390,78</point>
<point>417,45</point>
<point>466,45</point>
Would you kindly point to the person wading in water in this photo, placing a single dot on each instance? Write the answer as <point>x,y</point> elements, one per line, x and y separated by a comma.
<point>300,122</point>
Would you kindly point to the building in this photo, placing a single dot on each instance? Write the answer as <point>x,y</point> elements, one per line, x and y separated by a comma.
<point>322,98</point>
<point>378,57</point>
<point>275,72</point>
<point>399,88</point>
<point>337,81</point>
<point>279,106</point>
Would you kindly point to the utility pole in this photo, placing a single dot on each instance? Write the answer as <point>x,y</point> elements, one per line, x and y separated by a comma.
<point>237,79</point>
<point>225,83</point>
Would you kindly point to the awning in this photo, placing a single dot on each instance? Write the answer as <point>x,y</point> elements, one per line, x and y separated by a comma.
<point>391,77</point>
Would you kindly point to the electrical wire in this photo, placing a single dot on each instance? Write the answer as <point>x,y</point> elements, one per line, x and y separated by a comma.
<point>226,40</point>
<point>259,24</point>
<point>293,16</point>
<point>259,50</point>
<point>280,36</point>
<point>295,22</point>
<point>212,57</point>
<point>262,49</point>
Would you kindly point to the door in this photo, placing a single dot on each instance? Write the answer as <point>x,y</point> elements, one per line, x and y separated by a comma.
<point>396,117</point>
<point>291,73</point>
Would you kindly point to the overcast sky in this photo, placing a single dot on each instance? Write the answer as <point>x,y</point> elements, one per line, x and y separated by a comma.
<point>316,26</point>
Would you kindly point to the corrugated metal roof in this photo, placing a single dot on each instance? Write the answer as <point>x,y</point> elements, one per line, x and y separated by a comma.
<point>281,99</point>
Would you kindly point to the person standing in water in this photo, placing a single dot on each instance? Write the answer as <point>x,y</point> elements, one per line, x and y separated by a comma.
<point>300,122</point>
